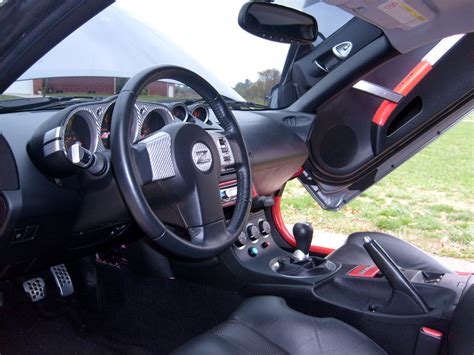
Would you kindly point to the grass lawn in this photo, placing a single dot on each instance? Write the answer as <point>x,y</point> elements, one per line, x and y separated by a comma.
<point>7,97</point>
<point>429,201</point>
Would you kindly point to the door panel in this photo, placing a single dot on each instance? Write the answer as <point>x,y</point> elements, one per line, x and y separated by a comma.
<point>349,152</point>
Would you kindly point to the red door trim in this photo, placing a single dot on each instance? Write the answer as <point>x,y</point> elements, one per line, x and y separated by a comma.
<point>404,87</point>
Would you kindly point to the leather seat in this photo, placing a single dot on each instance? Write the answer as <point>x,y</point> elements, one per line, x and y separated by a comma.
<point>405,255</point>
<point>266,325</point>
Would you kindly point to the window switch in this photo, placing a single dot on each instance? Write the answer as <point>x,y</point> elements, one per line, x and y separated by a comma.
<point>31,232</point>
<point>18,234</point>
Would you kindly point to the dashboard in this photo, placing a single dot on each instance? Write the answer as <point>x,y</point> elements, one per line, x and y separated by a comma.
<point>52,211</point>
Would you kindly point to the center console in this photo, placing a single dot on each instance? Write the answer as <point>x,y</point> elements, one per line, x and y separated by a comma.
<point>257,257</point>
<point>397,308</point>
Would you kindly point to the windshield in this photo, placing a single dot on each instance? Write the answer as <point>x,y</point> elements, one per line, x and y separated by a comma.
<point>98,58</point>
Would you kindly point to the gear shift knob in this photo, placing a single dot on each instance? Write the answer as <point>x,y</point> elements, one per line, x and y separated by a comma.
<point>303,233</point>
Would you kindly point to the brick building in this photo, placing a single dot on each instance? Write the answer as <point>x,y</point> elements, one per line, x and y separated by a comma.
<point>96,85</point>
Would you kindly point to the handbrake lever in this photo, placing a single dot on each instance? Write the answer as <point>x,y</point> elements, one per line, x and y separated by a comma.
<point>396,278</point>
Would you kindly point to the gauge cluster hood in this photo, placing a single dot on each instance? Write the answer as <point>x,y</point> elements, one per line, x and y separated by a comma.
<point>31,28</point>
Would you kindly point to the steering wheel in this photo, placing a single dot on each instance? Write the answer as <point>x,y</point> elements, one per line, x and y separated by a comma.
<point>175,172</point>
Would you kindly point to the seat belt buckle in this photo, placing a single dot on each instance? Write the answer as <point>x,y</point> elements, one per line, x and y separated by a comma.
<point>428,342</point>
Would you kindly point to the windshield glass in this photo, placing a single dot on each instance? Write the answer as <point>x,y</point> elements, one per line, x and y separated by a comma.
<point>98,58</point>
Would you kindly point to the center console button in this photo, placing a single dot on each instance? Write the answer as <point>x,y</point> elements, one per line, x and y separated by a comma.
<point>264,226</point>
<point>253,252</point>
<point>241,240</point>
<point>253,232</point>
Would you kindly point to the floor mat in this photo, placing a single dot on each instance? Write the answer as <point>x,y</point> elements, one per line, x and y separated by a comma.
<point>141,315</point>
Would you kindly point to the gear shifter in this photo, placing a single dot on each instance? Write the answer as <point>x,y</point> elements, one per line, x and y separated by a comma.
<point>300,264</point>
<point>303,233</point>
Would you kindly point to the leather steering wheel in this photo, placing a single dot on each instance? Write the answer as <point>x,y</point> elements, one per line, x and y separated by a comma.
<point>175,172</point>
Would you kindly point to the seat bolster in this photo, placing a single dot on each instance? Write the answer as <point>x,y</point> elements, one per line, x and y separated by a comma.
<point>266,325</point>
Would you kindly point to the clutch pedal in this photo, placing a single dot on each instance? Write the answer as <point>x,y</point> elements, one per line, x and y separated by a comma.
<point>35,289</point>
<point>62,279</point>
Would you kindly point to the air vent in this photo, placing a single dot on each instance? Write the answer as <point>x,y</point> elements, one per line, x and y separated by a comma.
<point>295,121</point>
<point>8,172</point>
<point>290,121</point>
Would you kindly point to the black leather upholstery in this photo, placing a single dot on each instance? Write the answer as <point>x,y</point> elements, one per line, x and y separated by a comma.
<point>266,325</point>
<point>406,255</point>
<point>460,339</point>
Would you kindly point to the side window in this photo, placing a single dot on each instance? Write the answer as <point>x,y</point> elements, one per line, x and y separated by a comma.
<point>330,18</point>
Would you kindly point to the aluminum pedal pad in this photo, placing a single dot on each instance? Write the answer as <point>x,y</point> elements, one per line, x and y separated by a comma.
<point>62,279</point>
<point>35,289</point>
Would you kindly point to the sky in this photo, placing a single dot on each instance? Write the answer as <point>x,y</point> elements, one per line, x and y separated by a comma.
<point>208,30</point>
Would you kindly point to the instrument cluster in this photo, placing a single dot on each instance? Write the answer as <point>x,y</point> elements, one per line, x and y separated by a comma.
<point>90,125</point>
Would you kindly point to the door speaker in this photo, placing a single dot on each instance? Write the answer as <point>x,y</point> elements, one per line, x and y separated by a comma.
<point>339,146</point>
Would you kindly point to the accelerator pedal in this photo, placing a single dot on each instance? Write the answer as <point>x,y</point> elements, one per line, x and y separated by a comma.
<point>62,279</point>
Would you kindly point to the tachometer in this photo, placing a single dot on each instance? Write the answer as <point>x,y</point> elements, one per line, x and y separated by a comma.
<point>79,129</point>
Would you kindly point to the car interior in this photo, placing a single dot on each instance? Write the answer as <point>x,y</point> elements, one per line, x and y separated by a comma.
<point>131,226</point>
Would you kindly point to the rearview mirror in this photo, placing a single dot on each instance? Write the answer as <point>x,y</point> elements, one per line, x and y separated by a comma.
<point>278,23</point>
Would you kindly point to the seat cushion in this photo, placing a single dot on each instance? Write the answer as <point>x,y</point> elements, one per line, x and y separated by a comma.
<point>266,325</point>
<point>405,255</point>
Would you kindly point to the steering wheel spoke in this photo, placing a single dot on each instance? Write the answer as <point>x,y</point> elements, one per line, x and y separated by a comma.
<point>209,234</point>
<point>153,158</point>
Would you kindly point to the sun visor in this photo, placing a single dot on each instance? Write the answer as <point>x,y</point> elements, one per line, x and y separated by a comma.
<point>410,24</point>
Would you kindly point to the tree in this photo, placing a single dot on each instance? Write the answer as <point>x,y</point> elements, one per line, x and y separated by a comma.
<point>259,90</point>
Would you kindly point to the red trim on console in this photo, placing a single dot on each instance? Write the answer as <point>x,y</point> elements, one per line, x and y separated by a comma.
<point>228,183</point>
<point>286,234</point>
<point>404,87</point>
<point>367,271</point>
<point>298,173</point>
<point>432,332</point>
<point>464,273</point>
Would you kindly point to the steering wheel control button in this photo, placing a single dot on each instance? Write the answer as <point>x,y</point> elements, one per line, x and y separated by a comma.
<point>241,241</point>
<point>252,232</point>
<point>253,252</point>
<point>202,156</point>
<point>225,151</point>
<point>265,228</point>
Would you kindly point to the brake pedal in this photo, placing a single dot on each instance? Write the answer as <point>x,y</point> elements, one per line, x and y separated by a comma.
<point>62,279</point>
<point>35,289</point>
